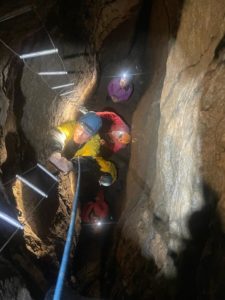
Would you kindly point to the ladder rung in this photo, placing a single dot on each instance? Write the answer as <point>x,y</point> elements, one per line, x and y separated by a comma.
<point>26,182</point>
<point>61,86</point>
<point>52,73</point>
<point>39,53</point>
<point>16,13</point>
<point>47,172</point>
<point>10,220</point>
<point>67,93</point>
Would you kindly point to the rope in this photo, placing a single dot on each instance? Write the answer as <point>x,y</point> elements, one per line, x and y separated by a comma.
<point>26,220</point>
<point>64,262</point>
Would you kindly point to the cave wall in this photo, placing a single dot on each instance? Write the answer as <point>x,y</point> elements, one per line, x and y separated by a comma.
<point>94,20</point>
<point>176,170</point>
<point>186,164</point>
<point>136,230</point>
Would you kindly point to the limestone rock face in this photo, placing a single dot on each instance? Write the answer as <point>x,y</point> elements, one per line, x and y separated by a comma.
<point>191,109</point>
<point>170,204</point>
<point>95,20</point>
<point>7,120</point>
<point>3,111</point>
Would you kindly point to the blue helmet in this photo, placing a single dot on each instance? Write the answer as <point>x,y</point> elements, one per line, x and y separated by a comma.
<point>91,122</point>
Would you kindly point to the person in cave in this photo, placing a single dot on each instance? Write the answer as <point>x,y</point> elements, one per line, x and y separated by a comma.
<point>114,133</point>
<point>85,145</point>
<point>95,211</point>
<point>120,89</point>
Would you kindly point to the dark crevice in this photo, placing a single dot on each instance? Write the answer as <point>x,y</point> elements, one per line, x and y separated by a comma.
<point>21,155</point>
<point>220,48</point>
<point>141,30</point>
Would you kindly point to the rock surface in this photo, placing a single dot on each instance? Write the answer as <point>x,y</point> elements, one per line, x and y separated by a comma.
<point>169,239</point>
<point>170,210</point>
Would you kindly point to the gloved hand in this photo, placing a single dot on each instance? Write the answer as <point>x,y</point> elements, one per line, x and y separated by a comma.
<point>60,162</point>
<point>106,179</point>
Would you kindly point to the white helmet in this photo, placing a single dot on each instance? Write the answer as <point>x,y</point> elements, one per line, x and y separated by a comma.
<point>105,180</point>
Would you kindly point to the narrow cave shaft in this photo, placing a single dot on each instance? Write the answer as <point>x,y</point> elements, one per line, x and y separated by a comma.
<point>130,93</point>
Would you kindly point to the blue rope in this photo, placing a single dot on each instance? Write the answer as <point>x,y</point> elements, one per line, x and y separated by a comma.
<point>64,262</point>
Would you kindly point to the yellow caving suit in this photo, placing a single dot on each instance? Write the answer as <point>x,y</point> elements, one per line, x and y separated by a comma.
<point>90,148</point>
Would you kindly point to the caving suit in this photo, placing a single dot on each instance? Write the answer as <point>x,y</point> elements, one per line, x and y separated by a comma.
<point>110,122</point>
<point>100,208</point>
<point>118,93</point>
<point>89,153</point>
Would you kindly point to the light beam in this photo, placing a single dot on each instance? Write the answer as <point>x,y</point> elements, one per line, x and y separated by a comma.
<point>39,53</point>
<point>61,86</point>
<point>52,73</point>
<point>10,220</point>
